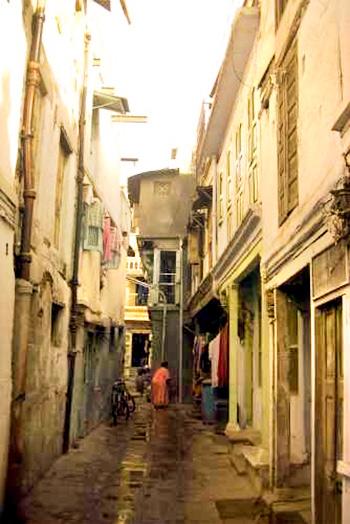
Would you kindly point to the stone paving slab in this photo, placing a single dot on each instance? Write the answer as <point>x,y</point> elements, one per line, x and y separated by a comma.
<point>162,467</point>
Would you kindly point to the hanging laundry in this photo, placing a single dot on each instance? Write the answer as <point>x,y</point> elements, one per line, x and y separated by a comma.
<point>116,243</point>
<point>107,244</point>
<point>223,365</point>
<point>93,226</point>
<point>214,352</point>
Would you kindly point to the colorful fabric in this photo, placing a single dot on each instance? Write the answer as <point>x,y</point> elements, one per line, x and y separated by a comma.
<point>223,366</point>
<point>160,393</point>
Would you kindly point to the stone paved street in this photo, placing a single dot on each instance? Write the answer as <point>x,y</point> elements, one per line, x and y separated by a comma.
<point>160,467</point>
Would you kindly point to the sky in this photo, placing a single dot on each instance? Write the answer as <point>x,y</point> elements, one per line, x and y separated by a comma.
<point>166,64</point>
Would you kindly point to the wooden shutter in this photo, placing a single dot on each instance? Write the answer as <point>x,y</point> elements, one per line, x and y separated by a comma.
<point>292,116</point>
<point>287,150</point>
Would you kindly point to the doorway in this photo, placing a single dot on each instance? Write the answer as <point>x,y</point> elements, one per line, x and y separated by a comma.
<point>328,412</point>
<point>139,350</point>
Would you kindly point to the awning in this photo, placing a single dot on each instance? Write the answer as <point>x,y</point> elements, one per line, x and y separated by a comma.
<point>104,100</point>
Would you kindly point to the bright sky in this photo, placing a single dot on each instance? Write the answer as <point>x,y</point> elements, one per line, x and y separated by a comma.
<point>167,62</point>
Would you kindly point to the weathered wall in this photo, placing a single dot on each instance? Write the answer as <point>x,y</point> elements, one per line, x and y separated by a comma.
<point>56,111</point>
<point>164,214</point>
<point>12,74</point>
<point>320,96</point>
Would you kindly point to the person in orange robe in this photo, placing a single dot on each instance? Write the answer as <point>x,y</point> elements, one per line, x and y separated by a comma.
<point>160,381</point>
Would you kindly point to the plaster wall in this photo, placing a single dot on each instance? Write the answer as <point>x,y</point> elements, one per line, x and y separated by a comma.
<point>7,297</point>
<point>12,75</point>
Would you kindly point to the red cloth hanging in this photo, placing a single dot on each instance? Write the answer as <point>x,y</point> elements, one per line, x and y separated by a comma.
<point>223,366</point>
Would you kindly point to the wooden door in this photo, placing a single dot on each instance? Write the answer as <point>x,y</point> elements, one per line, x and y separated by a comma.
<point>329,412</point>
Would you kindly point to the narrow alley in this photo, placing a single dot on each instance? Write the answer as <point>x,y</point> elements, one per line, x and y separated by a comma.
<point>161,467</point>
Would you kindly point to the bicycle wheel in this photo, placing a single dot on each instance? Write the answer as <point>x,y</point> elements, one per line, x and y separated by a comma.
<point>114,415</point>
<point>123,408</point>
<point>131,403</point>
<point>114,408</point>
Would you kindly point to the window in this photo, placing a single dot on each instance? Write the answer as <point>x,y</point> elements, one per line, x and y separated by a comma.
<point>238,176</point>
<point>64,150</point>
<point>56,318</point>
<point>229,194</point>
<point>287,135</point>
<point>228,178</point>
<point>280,7</point>
<point>141,295</point>
<point>252,149</point>
<point>167,275</point>
<point>220,197</point>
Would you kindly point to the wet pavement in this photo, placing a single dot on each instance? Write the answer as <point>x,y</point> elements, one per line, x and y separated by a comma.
<point>161,467</point>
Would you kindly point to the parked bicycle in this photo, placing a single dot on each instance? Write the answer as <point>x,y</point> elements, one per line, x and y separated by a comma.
<point>123,403</point>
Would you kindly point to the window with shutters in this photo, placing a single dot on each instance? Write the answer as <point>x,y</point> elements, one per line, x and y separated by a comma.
<point>238,176</point>
<point>252,149</point>
<point>287,135</point>
<point>63,154</point>
<point>280,7</point>
<point>221,197</point>
<point>229,194</point>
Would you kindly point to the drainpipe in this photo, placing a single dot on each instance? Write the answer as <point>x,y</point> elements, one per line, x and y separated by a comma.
<point>29,193</point>
<point>181,325</point>
<point>73,325</point>
<point>24,288</point>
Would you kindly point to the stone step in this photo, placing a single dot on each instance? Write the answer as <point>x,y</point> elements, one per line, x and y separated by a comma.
<point>250,508</point>
<point>297,512</point>
<point>237,459</point>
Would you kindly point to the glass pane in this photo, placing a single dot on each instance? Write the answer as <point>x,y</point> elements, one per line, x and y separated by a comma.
<point>167,262</point>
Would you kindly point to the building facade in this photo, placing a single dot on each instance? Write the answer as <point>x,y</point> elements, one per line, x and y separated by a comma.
<point>271,244</point>
<point>70,221</point>
<point>161,202</point>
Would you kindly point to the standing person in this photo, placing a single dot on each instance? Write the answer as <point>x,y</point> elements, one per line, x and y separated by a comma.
<point>160,385</point>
